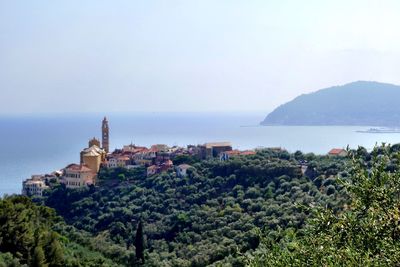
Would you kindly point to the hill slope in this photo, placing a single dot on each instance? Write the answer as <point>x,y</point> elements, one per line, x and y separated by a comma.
<point>209,217</point>
<point>357,103</point>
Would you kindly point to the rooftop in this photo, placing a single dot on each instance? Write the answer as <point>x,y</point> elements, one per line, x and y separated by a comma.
<point>216,144</point>
<point>30,181</point>
<point>78,168</point>
<point>336,151</point>
<point>93,151</point>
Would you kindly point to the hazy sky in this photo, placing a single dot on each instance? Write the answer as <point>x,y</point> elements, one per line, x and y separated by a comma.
<point>78,56</point>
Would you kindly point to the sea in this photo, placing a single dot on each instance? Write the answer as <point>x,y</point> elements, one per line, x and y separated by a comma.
<point>44,143</point>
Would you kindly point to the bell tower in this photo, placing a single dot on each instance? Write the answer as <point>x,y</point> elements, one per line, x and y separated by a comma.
<point>105,138</point>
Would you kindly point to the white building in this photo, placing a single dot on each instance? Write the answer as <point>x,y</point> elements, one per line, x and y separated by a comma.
<point>181,170</point>
<point>34,186</point>
<point>112,163</point>
<point>119,161</point>
<point>78,175</point>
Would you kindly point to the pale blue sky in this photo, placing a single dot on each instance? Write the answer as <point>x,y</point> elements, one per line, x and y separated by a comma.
<point>206,55</point>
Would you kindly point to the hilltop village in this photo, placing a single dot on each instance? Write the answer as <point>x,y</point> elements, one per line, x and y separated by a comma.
<point>156,159</point>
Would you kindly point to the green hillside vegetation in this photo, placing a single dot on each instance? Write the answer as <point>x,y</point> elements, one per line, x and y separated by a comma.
<point>216,214</point>
<point>358,103</point>
<point>30,236</point>
<point>249,211</point>
<point>366,233</point>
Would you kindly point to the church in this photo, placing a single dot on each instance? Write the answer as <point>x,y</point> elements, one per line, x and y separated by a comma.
<point>94,155</point>
<point>91,159</point>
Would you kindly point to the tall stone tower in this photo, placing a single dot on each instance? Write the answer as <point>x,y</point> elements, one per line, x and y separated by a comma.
<point>105,137</point>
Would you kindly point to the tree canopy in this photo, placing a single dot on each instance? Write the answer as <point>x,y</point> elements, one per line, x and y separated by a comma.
<point>217,212</point>
<point>364,232</point>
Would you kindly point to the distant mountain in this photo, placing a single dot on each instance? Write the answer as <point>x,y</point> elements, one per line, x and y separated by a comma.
<point>357,103</point>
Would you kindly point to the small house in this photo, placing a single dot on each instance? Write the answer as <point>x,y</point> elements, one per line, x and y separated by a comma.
<point>337,152</point>
<point>181,170</point>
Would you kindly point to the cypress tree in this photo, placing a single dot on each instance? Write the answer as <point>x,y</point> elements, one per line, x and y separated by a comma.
<point>39,259</point>
<point>139,242</point>
<point>55,253</point>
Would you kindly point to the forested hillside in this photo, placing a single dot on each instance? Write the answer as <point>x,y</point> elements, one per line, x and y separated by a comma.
<point>32,235</point>
<point>257,210</point>
<point>215,214</point>
<point>358,103</point>
<point>365,233</point>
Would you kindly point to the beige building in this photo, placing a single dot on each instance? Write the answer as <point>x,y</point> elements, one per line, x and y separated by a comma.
<point>34,186</point>
<point>93,157</point>
<point>78,175</point>
<point>212,150</point>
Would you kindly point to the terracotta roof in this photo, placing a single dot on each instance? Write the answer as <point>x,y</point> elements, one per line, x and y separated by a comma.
<point>233,152</point>
<point>144,150</point>
<point>133,148</point>
<point>78,167</point>
<point>139,149</point>
<point>336,151</point>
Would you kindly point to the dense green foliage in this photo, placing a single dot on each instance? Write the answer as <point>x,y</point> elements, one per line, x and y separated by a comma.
<point>214,215</point>
<point>366,233</point>
<point>358,103</point>
<point>256,210</point>
<point>30,236</point>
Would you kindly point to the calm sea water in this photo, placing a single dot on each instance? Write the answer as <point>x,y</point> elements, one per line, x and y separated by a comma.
<point>36,145</point>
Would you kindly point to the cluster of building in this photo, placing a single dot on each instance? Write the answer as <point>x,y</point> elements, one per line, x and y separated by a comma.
<point>35,185</point>
<point>74,175</point>
<point>91,158</point>
<point>158,158</point>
